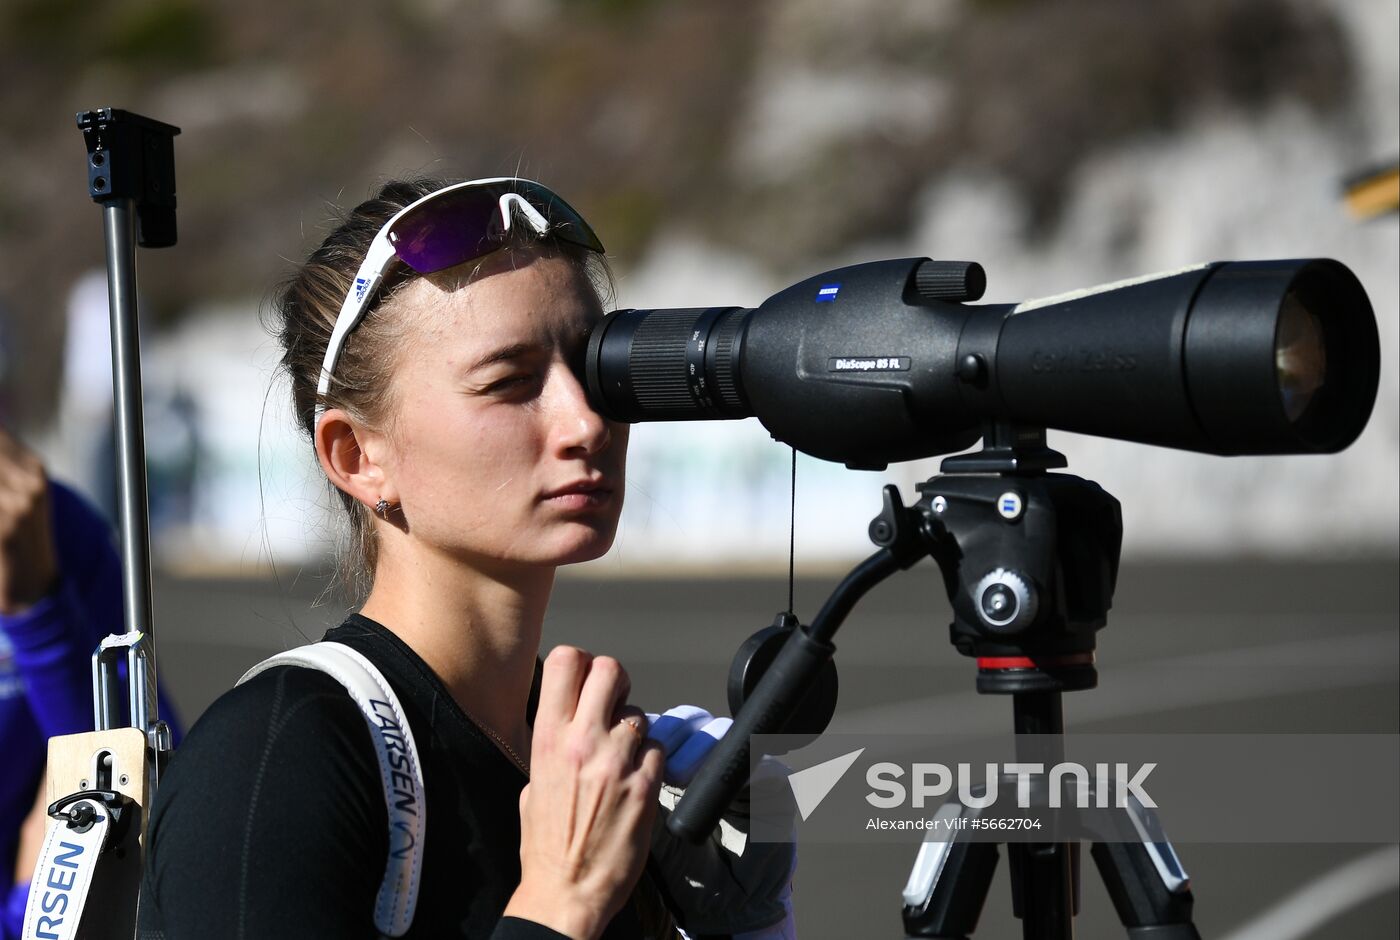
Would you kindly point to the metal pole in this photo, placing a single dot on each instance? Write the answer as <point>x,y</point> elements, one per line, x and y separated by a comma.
<point>119,229</point>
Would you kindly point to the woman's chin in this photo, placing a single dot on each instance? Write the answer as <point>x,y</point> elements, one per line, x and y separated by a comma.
<point>592,553</point>
<point>586,546</point>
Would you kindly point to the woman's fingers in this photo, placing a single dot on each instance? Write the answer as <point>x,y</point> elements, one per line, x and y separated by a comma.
<point>28,565</point>
<point>649,770</point>
<point>629,728</point>
<point>604,689</point>
<point>10,449</point>
<point>565,669</point>
<point>651,761</point>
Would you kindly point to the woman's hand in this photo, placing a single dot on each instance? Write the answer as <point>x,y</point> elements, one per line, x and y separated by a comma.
<point>586,815</point>
<point>28,565</point>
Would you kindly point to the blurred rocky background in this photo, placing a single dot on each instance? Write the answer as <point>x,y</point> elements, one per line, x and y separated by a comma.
<point>722,150</point>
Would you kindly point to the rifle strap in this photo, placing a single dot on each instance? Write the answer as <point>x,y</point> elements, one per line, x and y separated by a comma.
<point>399,769</point>
<point>63,876</point>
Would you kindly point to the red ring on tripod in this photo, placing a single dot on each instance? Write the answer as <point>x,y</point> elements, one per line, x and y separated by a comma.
<point>999,663</point>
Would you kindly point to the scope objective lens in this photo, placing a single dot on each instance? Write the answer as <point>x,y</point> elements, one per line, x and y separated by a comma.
<point>1300,355</point>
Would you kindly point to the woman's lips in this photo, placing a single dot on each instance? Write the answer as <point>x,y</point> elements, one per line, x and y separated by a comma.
<point>581,495</point>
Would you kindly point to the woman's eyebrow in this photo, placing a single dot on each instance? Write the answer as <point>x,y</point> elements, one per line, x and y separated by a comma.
<point>505,353</point>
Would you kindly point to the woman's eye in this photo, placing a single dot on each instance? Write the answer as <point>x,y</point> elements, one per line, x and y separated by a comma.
<point>512,384</point>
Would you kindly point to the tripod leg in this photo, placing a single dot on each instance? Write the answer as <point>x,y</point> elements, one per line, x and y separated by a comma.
<point>948,884</point>
<point>1149,888</point>
<point>1043,887</point>
<point>1145,904</point>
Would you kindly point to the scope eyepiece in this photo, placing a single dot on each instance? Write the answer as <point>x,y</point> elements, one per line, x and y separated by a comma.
<point>668,365</point>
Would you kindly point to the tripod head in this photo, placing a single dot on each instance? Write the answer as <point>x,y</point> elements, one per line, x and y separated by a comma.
<point>1029,560</point>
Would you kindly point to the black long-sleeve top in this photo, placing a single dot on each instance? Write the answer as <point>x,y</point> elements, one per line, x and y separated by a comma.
<point>270,820</point>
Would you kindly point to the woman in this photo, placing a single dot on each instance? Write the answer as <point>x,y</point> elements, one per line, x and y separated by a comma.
<point>433,344</point>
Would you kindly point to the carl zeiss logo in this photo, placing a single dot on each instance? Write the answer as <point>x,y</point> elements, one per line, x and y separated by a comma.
<point>828,293</point>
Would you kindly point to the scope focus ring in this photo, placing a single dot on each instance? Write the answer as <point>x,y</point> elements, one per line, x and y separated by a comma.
<point>668,365</point>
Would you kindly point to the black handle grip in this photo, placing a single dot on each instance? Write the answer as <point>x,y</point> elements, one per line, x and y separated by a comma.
<point>726,770</point>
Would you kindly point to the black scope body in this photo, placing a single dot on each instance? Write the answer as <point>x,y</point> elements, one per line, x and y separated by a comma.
<point>885,361</point>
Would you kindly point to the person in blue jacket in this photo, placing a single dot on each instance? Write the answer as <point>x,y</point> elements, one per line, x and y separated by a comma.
<point>60,594</point>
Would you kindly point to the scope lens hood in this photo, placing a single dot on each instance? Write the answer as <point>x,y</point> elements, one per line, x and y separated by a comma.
<point>1282,357</point>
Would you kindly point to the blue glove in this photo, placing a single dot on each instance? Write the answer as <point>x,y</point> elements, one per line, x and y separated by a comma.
<point>687,733</point>
<point>727,885</point>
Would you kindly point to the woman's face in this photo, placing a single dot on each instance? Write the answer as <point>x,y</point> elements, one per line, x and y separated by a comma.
<point>493,450</point>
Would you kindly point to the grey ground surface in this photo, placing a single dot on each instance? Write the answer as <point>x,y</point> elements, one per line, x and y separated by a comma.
<point>1237,647</point>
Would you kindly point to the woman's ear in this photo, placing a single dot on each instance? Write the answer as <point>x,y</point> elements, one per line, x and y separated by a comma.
<point>352,458</point>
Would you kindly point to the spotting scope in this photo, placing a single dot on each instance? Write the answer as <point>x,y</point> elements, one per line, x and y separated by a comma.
<point>889,361</point>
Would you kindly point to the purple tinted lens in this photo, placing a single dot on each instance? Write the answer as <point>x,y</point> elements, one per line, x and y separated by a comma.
<point>447,230</point>
<point>464,224</point>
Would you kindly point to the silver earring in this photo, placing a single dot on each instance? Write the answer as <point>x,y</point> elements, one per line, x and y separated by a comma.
<point>382,507</point>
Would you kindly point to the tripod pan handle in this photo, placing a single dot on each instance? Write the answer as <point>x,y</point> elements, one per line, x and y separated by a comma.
<point>774,700</point>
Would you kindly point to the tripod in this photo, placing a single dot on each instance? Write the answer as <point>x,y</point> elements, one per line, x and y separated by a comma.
<point>1029,560</point>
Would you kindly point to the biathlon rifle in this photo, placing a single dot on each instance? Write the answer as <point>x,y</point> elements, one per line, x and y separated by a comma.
<point>100,783</point>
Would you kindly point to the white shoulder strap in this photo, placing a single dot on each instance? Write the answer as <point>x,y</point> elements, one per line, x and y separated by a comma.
<point>58,891</point>
<point>399,769</point>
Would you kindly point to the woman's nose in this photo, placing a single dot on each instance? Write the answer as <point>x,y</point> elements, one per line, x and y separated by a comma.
<point>577,426</point>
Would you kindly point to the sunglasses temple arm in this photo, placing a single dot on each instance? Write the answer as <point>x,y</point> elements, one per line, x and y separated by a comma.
<point>352,311</point>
